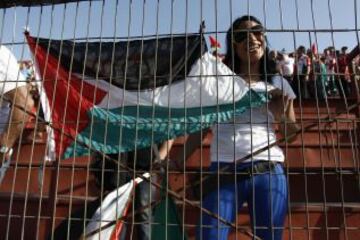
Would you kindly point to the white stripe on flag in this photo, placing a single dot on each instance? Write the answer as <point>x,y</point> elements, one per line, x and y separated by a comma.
<point>50,148</point>
<point>209,83</point>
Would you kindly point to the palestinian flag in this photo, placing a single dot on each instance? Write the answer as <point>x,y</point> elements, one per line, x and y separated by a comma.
<point>135,94</point>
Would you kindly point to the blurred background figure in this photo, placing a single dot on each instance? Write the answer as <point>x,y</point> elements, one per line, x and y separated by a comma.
<point>330,62</point>
<point>274,61</point>
<point>344,79</point>
<point>319,77</point>
<point>301,78</point>
<point>286,65</point>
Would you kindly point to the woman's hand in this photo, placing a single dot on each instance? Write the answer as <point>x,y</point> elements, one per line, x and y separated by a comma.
<point>282,109</point>
<point>278,104</point>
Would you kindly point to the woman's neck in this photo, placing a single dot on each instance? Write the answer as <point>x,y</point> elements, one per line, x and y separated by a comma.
<point>250,72</point>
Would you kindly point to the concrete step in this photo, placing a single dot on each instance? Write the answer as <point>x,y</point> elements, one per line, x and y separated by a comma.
<point>70,182</point>
<point>311,219</point>
<point>304,186</point>
<point>311,222</point>
<point>310,157</point>
<point>36,224</point>
<point>322,106</point>
<point>342,136</point>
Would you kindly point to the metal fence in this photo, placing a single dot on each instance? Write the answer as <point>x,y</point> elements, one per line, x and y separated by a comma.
<point>158,120</point>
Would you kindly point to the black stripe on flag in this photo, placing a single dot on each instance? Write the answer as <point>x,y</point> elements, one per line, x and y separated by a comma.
<point>28,3</point>
<point>135,69</point>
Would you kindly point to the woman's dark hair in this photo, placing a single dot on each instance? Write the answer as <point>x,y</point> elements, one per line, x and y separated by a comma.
<point>231,59</point>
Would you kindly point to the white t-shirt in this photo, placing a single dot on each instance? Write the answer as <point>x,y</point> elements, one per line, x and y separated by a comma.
<point>252,131</point>
<point>287,66</point>
<point>330,63</point>
<point>303,62</point>
<point>10,78</point>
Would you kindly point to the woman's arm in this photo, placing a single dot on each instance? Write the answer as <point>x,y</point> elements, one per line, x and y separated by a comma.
<point>192,142</point>
<point>288,123</point>
<point>282,108</point>
<point>165,148</point>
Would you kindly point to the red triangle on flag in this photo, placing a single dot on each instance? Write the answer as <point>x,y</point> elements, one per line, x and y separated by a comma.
<point>70,98</point>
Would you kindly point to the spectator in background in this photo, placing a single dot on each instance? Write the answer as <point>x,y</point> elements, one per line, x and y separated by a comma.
<point>344,80</point>
<point>15,100</point>
<point>320,78</point>
<point>330,62</point>
<point>355,69</point>
<point>273,61</point>
<point>301,78</point>
<point>27,69</point>
<point>313,73</point>
<point>286,66</point>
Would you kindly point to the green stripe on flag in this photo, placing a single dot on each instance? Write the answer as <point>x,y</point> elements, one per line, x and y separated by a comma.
<point>138,123</point>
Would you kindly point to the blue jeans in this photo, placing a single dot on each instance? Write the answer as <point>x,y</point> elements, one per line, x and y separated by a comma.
<point>266,195</point>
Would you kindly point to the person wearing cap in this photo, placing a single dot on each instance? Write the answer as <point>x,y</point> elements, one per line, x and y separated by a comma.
<point>15,101</point>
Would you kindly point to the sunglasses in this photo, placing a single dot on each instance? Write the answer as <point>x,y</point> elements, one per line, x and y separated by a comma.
<point>243,34</point>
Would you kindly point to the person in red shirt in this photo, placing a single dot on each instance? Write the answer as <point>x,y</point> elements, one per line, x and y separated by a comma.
<point>344,79</point>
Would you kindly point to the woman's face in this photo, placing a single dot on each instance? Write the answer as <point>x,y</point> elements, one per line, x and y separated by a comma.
<point>250,47</point>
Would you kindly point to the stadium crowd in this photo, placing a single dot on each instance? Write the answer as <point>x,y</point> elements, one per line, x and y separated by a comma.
<point>318,75</point>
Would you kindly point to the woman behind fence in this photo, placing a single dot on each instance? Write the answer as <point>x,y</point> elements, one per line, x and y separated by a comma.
<point>260,181</point>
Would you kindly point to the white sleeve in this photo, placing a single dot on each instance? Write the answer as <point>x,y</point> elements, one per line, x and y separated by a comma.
<point>281,83</point>
<point>10,75</point>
